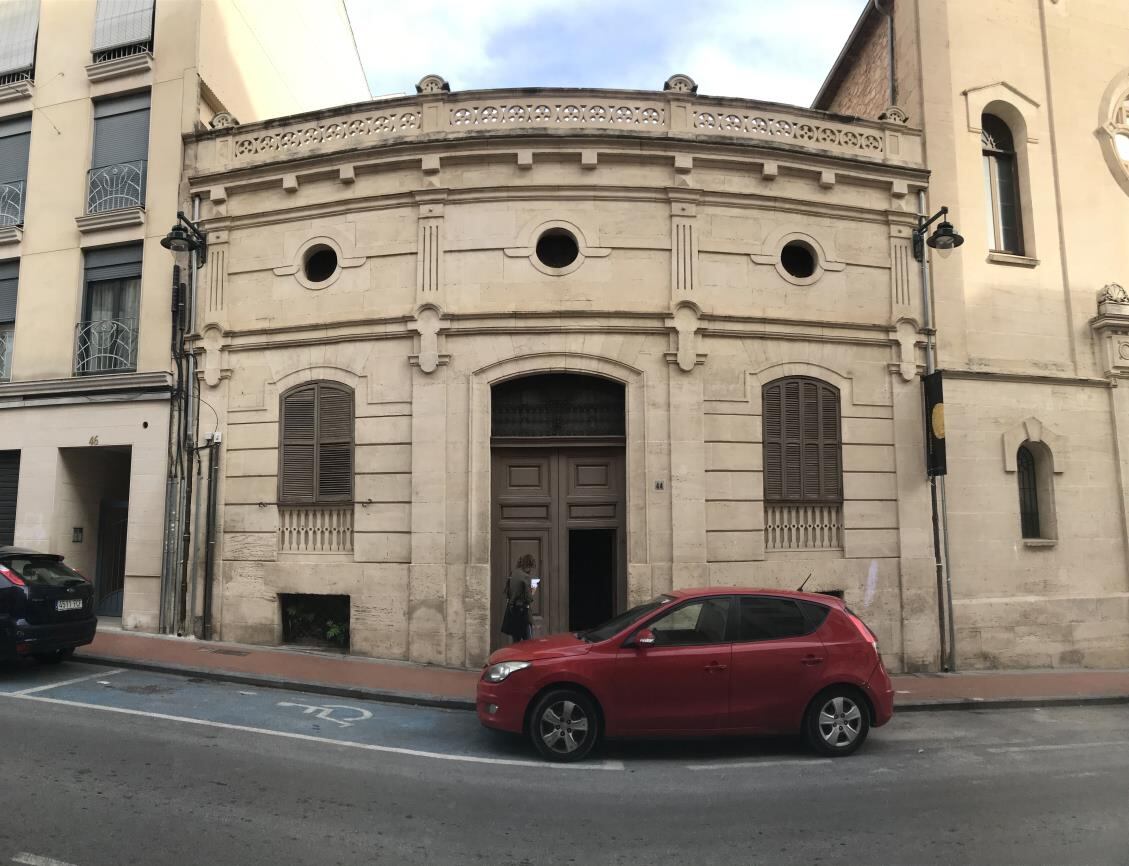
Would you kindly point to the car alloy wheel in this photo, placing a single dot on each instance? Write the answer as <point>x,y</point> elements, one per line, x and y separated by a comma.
<point>564,726</point>
<point>840,721</point>
<point>837,721</point>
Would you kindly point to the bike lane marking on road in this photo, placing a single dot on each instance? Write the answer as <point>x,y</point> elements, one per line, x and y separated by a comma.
<point>370,747</point>
<point>61,683</point>
<point>36,860</point>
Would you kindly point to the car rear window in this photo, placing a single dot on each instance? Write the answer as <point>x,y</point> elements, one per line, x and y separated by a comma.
<point>42,571</point>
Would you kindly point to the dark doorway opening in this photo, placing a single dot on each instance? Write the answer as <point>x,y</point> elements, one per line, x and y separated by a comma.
<point>9,486</point>
<point>591,577</point>
<point>109,573</point>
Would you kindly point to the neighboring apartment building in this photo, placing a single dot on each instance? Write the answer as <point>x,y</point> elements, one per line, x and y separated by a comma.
<point>94,100</point>
<point>622,341</point>
<point>1024,105</point>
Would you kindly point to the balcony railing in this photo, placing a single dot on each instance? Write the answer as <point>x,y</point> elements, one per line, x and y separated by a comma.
<point>123,51</point>
<point>12,203</point>
<point>105,346</point>
<point>16,77</point>
<point>803,527</point>
<point>315,528</point>
<point>6,334</point>
<point>112,187</point>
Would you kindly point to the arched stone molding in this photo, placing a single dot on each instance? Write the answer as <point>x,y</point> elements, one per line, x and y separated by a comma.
<point>1013,106</point>
<point>1113,122</point>
<point>329,372</point>
<point>749,389</point>
<point>1034,430</point>
<point>826,255</point>
<point>331,240</point>
<point>478,534</point>
<point>585,242</point>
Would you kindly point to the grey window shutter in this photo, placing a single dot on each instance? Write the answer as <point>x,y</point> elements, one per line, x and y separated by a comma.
<point>802,441</point>
<point>19,23</point>
<point>122,22</point>
<point>316,460</point>
<point>113,263</point>
<point>9,284</point>
<point>15,139</point>
<point>120,137</point>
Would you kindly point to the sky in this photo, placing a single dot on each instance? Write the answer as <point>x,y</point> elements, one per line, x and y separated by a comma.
<point>769,50</point>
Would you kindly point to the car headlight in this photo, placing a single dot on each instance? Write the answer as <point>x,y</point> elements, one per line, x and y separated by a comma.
<point>497,673</point>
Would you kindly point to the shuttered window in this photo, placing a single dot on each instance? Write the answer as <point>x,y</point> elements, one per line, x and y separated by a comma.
<point>19,24</point>
<point>802,442</point>
<point>1028,493</point>
<point>9,285</point>
<point>122,22</point>
<point>316,460</point>
<point>121,130</point>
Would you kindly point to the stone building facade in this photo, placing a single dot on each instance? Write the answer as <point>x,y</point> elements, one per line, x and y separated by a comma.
<point>452,337</point>
<point>1024,110</point>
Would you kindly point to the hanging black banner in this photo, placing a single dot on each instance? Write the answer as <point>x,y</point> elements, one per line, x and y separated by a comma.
<point>935,461</point>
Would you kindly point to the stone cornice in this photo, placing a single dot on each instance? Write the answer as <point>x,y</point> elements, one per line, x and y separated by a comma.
<point>124,385</point>
<point>1026,378</point>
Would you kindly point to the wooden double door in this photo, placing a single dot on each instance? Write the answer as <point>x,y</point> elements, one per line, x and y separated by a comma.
<point>558,514</point>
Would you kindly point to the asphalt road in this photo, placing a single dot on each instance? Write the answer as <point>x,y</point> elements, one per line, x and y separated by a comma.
<point>105,768</point>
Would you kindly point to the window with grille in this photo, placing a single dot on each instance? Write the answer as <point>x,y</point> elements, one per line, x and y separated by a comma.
<point>802,442</point>
<point>316,459</point>
<point>1028,493</point>
<point>1001,186</point>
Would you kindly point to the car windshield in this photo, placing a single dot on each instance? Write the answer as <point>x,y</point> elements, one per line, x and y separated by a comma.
<point>618,623</point>
<point>42,571</point>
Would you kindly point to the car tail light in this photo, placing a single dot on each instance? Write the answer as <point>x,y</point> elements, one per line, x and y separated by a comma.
<point>867,634</point>
<point>11,576</point>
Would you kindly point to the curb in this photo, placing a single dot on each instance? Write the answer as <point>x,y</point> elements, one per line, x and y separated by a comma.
<point>419,699</point>
<point>271,682</point>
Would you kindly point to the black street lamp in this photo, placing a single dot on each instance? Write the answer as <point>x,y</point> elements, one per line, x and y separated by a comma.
<point>185,237</point>
<point>944,237</point>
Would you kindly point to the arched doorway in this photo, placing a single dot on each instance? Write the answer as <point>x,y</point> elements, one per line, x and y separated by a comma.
<point>559,497</point>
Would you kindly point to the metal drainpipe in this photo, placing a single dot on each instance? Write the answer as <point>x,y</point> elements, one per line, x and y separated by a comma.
<point>195,565</point>
<point>184,549</point>
<point>890,52</point>
<point>210,537</point>
<point>940,512</point>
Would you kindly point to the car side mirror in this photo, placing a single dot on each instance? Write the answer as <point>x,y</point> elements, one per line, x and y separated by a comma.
<point>644,638</point>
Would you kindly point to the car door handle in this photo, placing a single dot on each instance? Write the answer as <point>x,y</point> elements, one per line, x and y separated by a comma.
<point>714,667</point>
<point>812,660</point>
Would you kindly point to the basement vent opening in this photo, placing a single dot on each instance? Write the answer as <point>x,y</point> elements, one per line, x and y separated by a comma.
<point>315,620</point>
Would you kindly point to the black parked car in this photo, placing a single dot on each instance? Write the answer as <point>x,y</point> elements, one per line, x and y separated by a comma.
<point>46,608</point>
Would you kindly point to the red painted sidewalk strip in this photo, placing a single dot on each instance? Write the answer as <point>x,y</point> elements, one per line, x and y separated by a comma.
<point>415,679</point>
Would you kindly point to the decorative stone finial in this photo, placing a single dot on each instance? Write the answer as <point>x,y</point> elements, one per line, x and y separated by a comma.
<point>893,114</point>
<point>681,84</point>
<point>223,120</point>
<point>1114,294</point>
<point>433,84</point>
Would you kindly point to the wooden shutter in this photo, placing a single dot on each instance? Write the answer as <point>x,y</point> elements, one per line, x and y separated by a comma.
<point>316,463</point>
<point>335,444</point>
<point>802,441</point>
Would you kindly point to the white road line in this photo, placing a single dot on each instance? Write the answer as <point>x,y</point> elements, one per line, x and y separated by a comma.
<point>62,683</point>
<point>1057,746</point>
<point>394,750</point>
<point>794,762</point>
<point>36,860</point>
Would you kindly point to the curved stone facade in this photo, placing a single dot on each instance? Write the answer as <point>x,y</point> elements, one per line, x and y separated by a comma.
<point>685,213</point>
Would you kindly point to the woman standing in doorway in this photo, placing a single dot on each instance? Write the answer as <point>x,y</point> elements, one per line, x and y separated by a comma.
<point>520,587</point>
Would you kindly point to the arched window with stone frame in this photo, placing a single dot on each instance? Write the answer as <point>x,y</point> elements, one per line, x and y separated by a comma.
<point>316,444</point>
<point>1035,481</point>
<point>1001,186</point>
<point>803,464</point>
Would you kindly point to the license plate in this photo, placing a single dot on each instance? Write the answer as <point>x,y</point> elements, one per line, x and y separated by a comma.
<point>69,604</point>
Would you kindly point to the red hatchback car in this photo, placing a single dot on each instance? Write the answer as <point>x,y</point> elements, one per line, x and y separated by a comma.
<point>694,662</point>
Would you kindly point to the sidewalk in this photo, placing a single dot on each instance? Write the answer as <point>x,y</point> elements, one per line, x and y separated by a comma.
<point>428,685</point>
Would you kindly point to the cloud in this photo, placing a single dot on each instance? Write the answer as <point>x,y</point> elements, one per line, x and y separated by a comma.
<point>758,49</point>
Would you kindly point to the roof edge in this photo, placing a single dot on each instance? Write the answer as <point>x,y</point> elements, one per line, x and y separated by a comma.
<point>833,75</point>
